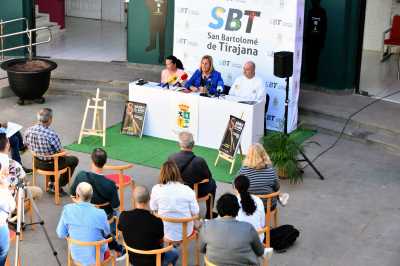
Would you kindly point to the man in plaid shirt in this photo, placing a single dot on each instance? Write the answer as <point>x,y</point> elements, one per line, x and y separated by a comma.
<point>44,141</point>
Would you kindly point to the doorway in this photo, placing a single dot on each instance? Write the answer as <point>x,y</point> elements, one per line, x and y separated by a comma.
<point>95,30</point>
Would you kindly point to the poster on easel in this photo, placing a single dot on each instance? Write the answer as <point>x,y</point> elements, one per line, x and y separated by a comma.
<point>231,141</point>
<point>133,118</point>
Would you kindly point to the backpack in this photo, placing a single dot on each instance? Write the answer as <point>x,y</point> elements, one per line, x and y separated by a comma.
<point>282,237</point>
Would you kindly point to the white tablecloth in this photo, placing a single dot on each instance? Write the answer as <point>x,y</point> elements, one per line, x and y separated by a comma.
<point>212,115</point>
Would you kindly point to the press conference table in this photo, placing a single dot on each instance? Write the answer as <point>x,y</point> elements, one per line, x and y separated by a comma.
<point>210,115</point>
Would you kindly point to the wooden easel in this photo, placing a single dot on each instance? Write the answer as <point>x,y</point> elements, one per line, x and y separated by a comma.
<point>230,159</point>
<point>98,128</point>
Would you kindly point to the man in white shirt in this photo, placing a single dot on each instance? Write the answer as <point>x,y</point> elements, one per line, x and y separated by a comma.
<point>249,86</point>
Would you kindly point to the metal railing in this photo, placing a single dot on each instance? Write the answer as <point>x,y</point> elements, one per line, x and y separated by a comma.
<point>27,31</point>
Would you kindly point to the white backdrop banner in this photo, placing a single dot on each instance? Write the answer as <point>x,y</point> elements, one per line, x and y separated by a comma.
<point>235,31</point>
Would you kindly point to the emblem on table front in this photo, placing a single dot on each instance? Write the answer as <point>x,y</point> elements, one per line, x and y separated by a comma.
<point>183,118</point>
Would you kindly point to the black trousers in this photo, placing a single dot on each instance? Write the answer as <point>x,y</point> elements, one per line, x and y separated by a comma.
<point>66,161</point>
<point>204,189</point>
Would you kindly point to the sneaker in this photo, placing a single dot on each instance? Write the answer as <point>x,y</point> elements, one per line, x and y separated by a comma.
<point>50,188</point>
<point>121,255</point>
<point>283,199</point>
<point>268,253</point>
<point>27,171</point>
<point>62,192</point>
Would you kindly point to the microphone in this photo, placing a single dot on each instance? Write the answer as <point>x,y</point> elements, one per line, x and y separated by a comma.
<point>182,79</point>
<point>170,80</point>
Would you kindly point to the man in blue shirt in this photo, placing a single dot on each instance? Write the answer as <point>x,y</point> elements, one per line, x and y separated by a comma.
<point>84,222</point>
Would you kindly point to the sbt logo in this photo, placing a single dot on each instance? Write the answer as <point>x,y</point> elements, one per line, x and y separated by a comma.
<point>234,19</point>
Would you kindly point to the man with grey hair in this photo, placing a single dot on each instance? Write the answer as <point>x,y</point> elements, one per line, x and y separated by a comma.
<point>249,86</point>
<point>194,169</point>
<point>44,141</point>
<point>142,230</point>
<point>84,222</point>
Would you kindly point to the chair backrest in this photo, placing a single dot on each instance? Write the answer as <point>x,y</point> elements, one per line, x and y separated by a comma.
<point>156,252</point>
<point>269,198</point>
<point>119,168</point>
<point>395,30</point>
<point>96,244</point>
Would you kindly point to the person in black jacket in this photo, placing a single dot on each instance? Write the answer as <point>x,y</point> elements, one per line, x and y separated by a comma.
<point>194,169</point>
<point>315,35</point>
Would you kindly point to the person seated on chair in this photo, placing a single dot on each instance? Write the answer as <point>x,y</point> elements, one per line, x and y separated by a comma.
<point>82,221</point>
<point>171,198</point>
<point>142,230</point>
<point>193,169</point>
<point>43,140</point>
<point>249,86</point>
<point>13,170</point>
<point>251,207</point>
<point>205,79</point>
<point>227,241</point>
<point>17,145</point>
<point>257,167</point>
<point>104,190</point>
<point>173,70</point>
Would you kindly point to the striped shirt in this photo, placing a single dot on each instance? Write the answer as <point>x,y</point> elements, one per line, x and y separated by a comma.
<point>262,181</point>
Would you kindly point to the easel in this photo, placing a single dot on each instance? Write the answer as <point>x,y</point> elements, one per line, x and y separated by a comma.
<point>228,158</point>
<point>98,129</point>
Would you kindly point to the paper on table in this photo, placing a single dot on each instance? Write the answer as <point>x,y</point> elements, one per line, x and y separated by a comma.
<point>12,128</point>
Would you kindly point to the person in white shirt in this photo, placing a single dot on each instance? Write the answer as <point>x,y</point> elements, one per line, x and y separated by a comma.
<point>248,86</point>
<point>171,198</point>
<point>251,207</point>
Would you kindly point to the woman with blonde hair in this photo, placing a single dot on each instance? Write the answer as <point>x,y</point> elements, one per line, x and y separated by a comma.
<point>205,79</point>
<point>258,168</point>
<point>171,198</point>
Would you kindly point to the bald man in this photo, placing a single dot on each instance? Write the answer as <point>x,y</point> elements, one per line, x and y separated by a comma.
<point>248,86</point>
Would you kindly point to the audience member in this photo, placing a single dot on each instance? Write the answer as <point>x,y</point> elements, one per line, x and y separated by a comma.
<point>258,168</point>
<point>44,141</point>
<point>84,222</point>
<point>251,207</point>
<point>171,198</point>
<point>193,169</point>
<point>249,86</point>
<point>7,206</point>
<point>104,190</point>
<point>227,241</point>
<point>16,144</point>
<point>142,230</point>
<point>173,70</point>
<point>205,79</point>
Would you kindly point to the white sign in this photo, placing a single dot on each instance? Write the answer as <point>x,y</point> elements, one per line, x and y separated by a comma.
<point>236,31</point>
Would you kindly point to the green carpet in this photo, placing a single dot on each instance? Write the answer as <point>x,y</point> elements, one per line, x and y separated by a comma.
<point>151,151</point>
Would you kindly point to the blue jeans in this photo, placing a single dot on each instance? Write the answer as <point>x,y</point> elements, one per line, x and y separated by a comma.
<point>171,257</point>
<point>4,244</point>
<point>16,144</point>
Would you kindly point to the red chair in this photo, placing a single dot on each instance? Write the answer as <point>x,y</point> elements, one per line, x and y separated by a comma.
<point>393,40</point>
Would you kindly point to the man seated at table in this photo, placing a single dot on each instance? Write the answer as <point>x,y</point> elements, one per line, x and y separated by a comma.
<point>206,79</point>
<point>142,230</point>
<point>193,169</point>
<point>104,190</point>
<point>84,222</point>
<point>44,141</point>
<point>249,86</point>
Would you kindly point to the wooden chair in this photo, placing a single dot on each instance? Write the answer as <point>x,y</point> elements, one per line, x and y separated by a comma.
<point>97,245</point>
<point>13,236</point>
<point>266,230</point>
<point>205,198</point>
<point>207,262</point>
<point>185,238</point>
<point>156,252</point>
<point>268,212</point>
<point>121,181</point>
<point>47,173</point>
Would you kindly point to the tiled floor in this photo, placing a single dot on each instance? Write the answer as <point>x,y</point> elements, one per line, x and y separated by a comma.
<point>87,39</point>
<point>380,78</point>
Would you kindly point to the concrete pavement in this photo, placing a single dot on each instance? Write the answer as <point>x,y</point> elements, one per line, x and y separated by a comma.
<point>351,218</point>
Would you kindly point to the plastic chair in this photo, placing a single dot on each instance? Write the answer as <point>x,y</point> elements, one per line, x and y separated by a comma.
<point>205,198</point>
<point>121,181</point>
<point>47,173</point>
<point>156,252</point>
<point>97,245</point>
<point>392,41</point>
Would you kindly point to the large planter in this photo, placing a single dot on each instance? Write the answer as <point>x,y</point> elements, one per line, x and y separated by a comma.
<point>29,79</point>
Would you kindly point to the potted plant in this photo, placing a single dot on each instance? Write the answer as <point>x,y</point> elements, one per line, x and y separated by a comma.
<point>283,150</point>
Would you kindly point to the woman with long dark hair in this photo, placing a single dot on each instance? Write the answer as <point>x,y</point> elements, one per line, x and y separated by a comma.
<point>251,207</point>
<point>173,70</point>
